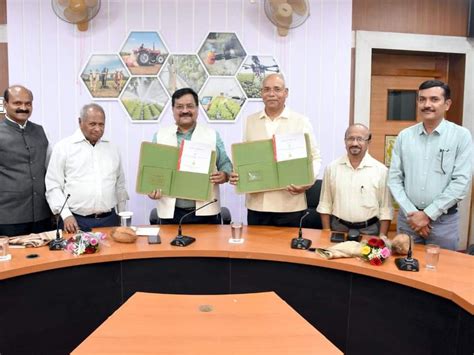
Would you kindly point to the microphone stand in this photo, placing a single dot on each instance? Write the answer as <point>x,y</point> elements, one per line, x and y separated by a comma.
<point>59,243</point>
<point>408,263</point>
<point>183,240</point>
<point>300,242</point>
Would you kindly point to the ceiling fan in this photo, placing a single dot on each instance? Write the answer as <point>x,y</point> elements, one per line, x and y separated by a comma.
<point>78,12</point>
<point>286,14</point>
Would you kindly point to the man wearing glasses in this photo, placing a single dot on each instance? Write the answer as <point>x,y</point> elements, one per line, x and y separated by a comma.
<point>282,207</point>
<point>431,170</point>
<point>185,112</point>
<point>354,194</point>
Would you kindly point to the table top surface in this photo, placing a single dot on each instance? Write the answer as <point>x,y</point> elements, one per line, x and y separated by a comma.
<point>257,323</point>
<point>453,279</point>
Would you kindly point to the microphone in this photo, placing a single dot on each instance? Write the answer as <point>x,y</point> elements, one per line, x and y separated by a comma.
<point>408,263</point>
<point>183,240</point>
<point>59,243</point>
<point>300,242</point>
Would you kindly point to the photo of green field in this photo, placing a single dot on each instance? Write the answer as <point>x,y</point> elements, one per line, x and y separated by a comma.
<point>144,99</point>
<point>222,99</point>
<point>181,71</point>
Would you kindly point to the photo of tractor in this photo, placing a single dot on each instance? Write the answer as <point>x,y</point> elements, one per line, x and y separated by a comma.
<point>144,53</point>
<point>146,56</point>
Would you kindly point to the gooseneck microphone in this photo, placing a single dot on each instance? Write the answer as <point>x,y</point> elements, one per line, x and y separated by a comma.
<point>300,242</point>
<point>184,240</point>
<point>408,263</point>
<point>59,243</point>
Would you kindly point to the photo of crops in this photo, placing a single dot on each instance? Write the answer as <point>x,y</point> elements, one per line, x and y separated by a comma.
<point>252,73</point>
<point>183,70</point>
<point>144,98</point>
<point>144,52</point>
<point>222,98</point>
<point>104,76</point>
<point>222,53</point>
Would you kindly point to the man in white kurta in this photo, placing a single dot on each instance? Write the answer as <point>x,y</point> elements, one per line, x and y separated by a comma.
<point>87,167</point>
<point>354,194</point>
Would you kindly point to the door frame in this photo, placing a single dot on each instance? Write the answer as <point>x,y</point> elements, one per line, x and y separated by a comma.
<point>366,41</point>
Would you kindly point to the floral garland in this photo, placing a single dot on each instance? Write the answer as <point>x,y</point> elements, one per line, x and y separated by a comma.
<point>375,251</point>
<point>85,242</point>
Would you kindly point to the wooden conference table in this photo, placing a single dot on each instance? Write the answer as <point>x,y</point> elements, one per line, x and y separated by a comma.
<point>255,323</point>
<point>51,303</point>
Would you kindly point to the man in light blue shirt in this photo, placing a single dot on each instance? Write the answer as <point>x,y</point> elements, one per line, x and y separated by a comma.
<point>431,170</point>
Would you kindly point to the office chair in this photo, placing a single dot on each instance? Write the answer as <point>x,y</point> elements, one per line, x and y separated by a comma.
<point>225,216</point>
<point>313,220</point>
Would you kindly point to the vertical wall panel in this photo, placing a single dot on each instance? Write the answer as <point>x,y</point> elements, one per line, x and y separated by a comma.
<point>47,55</point>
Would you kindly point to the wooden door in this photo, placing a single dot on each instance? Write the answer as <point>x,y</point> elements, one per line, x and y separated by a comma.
<point>381,127</point>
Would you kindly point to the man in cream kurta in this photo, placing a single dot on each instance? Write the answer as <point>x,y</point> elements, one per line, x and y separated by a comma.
<point>282,207</point>
<point>185,112</point>
<point>354,193</point>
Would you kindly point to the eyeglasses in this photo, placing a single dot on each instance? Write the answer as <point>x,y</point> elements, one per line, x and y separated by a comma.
<point>276,89</point>
<point>356,139</point>
<point>187,107</point>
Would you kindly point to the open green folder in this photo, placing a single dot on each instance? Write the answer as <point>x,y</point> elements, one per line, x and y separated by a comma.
<point>157,169</point>
<point>259,171</point>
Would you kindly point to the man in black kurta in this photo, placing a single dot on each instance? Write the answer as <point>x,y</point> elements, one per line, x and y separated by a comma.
<point>23,160</point>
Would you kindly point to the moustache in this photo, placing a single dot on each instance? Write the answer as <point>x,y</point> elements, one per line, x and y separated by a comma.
<point>185,115</point>
<point>427,110</point>
<point>22,111</point>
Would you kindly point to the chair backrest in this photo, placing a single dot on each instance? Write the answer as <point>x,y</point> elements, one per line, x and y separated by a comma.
<point>313,194</point>
<point>313,220</point>
<point>226,217</point>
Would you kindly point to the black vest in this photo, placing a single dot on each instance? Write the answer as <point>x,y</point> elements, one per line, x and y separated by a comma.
<point>22,171</point>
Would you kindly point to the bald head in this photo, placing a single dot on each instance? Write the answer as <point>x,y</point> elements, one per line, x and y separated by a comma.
<point>15,89</point>
<point>18,103</point>
<point>358,126</point>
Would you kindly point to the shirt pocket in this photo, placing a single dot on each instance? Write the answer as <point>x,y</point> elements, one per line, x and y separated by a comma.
<point>369,192</point>
<point>444,162</point>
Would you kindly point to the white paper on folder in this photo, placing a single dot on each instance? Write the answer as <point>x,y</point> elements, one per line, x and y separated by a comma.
<point>195,157</point>
<point>290,146</point>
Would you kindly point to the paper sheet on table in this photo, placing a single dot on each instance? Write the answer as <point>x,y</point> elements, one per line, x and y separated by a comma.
<point>148,231</point>
<point>289,146</point>
<point>194,157</point>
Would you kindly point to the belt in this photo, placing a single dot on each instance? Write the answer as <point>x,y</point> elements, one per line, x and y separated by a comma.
<point>187,209</point>
<point>358,225</point>
<point>451,210</point>
<point>98,215</point>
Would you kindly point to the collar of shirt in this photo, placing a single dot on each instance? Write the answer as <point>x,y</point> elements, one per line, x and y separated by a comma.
<point>19,125</point>
<point>365,163</point>
<point>79,137</point>
<point>285,114</point>
<point>439,129</point>
<point>186,135</point>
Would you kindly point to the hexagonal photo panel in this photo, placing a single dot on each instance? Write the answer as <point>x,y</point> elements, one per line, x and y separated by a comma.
<point>253,71</point>
<point>222,99</point>
<point>222,53</point>
<point>144,52</point>
<point>144,99</point>
<point>104,76</point>
<point>183,71</point>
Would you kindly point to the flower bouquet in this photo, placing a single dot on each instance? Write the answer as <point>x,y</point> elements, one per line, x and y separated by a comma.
<point>85,242</point>
<point>375,251</point>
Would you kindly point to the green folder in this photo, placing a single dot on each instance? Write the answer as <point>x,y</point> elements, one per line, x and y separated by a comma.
<point>157,169</point>
<point>259,171</point>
